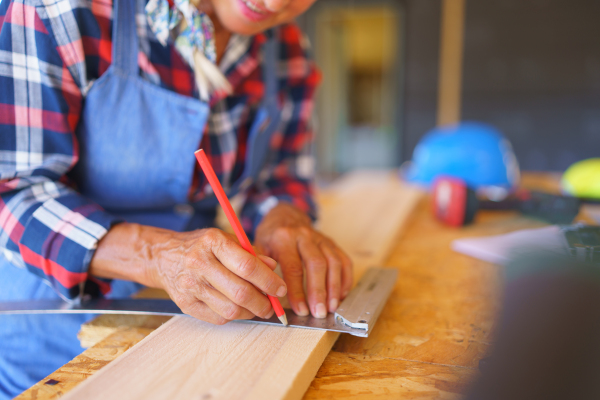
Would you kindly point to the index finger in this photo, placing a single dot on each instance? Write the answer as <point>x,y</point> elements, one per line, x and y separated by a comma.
<point>249,267</point>
<point>347,273</point>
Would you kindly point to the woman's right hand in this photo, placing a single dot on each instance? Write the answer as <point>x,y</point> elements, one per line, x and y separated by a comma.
<point>206,272</point>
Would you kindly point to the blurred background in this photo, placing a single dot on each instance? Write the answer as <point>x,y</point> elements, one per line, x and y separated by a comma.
<point>395,69</point>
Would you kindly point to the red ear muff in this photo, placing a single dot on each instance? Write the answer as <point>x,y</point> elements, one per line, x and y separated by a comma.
<point>453,203</point>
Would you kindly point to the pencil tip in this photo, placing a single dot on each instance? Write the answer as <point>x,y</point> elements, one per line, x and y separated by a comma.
<point>283,319</point>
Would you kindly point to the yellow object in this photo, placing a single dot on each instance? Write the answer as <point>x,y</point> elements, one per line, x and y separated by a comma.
<point>582,179</point>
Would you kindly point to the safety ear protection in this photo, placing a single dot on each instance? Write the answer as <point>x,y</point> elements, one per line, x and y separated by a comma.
<point>455,204</point>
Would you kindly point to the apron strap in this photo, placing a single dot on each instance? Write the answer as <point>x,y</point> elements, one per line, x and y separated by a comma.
<point>270,73</point>
<point>264,126</point>
<point>124,37</point>
<point>258,145</point>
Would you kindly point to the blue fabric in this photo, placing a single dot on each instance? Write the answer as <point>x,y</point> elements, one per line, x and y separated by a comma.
<point>132,157</point>
<point>137,143</point>
<point>137,139</point>
<point>32,346</point>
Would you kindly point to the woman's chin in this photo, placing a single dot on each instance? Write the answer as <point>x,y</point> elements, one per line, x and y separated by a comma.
<point>243,26</point>
<point>237,17</point>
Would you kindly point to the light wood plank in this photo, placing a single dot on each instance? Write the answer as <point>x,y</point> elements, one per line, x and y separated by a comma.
<point>186,358</point>
<point>364,213</point>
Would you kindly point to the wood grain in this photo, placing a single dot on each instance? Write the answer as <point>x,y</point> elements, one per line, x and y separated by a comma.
<point>186,358</point>
<point>349,376</point>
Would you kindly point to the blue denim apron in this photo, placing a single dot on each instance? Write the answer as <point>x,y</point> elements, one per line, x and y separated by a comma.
<point>136,160</point>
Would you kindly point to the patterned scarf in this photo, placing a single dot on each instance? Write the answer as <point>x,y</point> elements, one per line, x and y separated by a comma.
<point>194,40</point>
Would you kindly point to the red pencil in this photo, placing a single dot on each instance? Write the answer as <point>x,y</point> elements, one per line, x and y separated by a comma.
<point>234,221</point>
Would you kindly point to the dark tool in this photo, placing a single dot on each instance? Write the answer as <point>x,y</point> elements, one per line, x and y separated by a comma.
<point>583,242</point>
<point>455,204</point>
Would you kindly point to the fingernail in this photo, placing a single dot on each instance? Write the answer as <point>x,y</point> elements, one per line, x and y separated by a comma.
<point>321,311</point>
<point>346,293</point>
<point>269,315</point>
<point>302,309</point>
<point>333,305</point>
<point>281,291</point>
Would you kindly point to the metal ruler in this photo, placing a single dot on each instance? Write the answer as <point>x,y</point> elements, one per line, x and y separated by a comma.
<point>356,315</point>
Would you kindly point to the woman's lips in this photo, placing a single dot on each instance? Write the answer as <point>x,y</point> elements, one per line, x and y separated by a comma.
<point>252,11</point>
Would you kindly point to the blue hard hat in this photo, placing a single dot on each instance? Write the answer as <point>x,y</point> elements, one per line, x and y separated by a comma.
<point>474,152</point>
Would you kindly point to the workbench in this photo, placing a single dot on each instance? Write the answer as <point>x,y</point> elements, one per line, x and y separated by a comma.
<point>436,326</point>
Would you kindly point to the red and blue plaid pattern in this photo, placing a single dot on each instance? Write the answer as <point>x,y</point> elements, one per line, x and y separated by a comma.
<point>51,51</point>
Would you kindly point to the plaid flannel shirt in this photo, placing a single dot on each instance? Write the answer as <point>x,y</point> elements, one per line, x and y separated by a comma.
<point>51,51</point>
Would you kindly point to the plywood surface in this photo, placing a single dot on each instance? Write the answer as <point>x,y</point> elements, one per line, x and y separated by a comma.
<point>350,376</point>
<point>186,358</point>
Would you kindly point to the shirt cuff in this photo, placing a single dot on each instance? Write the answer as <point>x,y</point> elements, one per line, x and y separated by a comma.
<point>59,241</point>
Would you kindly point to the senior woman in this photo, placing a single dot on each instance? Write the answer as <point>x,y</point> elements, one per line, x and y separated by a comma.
<point>101,108</point>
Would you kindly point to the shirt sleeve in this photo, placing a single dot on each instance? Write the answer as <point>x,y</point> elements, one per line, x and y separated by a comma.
<point>46,227</point>
<point>289,172</point>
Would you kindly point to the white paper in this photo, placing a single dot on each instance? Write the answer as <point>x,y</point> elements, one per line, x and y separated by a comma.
<point>498,249</point>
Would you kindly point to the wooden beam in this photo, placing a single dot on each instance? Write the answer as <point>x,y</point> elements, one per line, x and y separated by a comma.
<point>187,358</point>
<point>451,61</point>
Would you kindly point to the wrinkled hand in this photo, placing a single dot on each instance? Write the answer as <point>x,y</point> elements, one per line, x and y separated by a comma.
<point>206,272</point>
<point>286,234</point>
<point>211,277</point>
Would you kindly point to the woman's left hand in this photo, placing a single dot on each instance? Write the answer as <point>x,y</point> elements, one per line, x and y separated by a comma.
<point>286,234</point>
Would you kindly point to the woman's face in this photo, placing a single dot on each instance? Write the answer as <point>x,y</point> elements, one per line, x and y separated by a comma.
<point>249,17</point>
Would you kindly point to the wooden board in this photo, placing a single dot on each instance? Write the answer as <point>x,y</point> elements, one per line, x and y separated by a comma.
<point>451,62</point>
<point>186,358</point>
